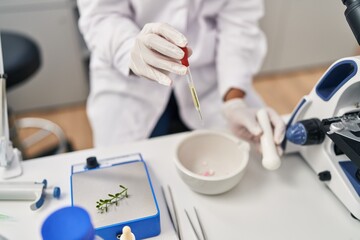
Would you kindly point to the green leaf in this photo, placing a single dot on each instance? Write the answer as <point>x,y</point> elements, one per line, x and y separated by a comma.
<point>102,204</point>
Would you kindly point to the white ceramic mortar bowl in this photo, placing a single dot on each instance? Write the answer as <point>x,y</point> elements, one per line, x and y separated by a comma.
<point>211,162</point>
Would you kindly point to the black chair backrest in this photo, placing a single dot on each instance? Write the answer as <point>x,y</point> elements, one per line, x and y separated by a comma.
<point>21,57</point>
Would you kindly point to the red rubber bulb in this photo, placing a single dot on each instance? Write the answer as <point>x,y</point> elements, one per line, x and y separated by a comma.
<point>184,60</point>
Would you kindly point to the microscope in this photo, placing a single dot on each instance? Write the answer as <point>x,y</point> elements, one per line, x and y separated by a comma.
<point>325,126</point>
<point>10,157</point>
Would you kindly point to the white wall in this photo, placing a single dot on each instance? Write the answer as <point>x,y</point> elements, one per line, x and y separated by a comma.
<point>305,33</point>
<point>53,25</point>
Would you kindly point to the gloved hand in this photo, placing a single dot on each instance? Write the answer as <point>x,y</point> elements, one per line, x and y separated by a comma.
<point>244,124</point>
<point>157,52</point>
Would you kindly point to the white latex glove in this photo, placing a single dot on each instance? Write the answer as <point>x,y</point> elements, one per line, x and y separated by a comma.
<point>244,123</point>
<point>157,52</point>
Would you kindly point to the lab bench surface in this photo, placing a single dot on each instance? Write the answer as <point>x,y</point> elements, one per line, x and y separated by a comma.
<point>289,203</point>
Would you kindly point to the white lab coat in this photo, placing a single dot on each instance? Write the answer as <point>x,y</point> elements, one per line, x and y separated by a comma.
<point>228,49</point>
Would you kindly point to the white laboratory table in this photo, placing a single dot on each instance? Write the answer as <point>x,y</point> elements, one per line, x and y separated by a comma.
<point>289,203</point>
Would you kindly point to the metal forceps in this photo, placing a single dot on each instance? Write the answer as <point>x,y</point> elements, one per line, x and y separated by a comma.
<point>173,217</point>
<point>199,236</point>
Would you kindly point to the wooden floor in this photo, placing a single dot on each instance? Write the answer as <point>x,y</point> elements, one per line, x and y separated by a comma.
<point>283,91</point>
<point>280,91</point>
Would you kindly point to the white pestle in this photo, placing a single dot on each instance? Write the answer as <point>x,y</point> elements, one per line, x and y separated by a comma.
<point>271,159</point>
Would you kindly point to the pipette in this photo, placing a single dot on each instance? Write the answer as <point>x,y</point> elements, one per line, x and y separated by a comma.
<point>31,191</point>
<point>185,62</point>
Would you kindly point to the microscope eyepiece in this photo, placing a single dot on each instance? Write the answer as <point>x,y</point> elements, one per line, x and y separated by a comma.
<point>352,14</point>
<point>348,2</point>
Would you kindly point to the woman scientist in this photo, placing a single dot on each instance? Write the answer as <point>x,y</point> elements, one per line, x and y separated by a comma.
<point>135,65</point>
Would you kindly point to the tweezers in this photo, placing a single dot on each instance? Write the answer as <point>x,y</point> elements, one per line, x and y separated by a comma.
<point>174,219</point>
<point>193,226</point>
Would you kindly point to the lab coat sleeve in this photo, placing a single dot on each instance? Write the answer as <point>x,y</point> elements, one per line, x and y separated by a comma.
<point>108,30</point>
<point>241,44</point>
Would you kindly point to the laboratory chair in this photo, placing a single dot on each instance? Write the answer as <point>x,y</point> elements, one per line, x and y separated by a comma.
<point>22,59</point>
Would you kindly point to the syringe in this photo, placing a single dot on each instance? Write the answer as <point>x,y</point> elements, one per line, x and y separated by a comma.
<point>190,81</point>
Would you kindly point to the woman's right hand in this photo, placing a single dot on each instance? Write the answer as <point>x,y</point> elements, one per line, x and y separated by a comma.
<point>157,52</point>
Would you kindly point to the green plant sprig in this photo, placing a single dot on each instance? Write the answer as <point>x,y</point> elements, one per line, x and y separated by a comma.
<point>103,204</point>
